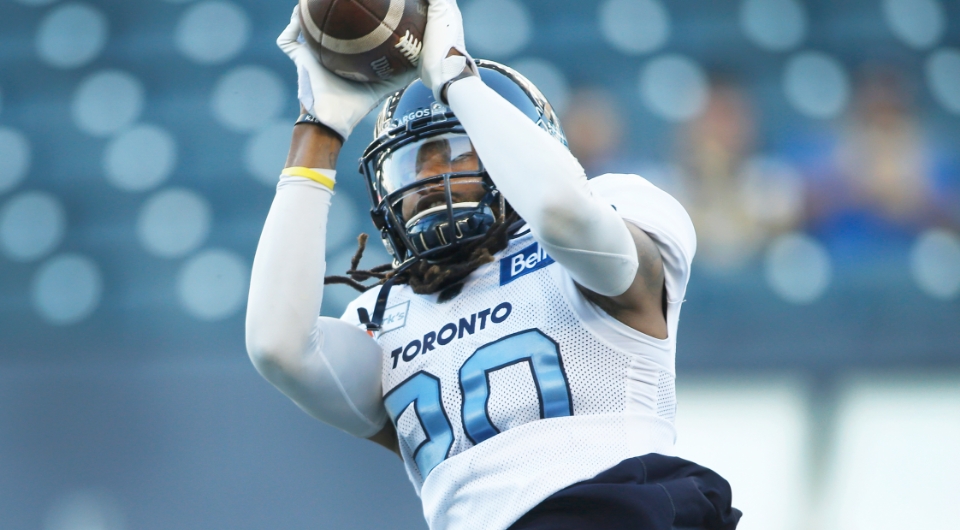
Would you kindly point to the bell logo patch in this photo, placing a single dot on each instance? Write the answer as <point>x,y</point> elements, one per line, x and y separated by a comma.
<point>530,259</point>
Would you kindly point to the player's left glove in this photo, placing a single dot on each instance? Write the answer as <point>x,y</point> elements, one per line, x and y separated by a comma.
<point>444,34</point>
<point>337,102</point>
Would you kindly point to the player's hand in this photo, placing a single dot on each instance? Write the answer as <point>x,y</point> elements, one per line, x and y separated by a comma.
<point>337,102</point>
<point>444,57</point>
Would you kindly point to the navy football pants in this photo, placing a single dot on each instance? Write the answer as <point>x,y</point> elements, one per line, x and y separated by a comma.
<point>651,492</point>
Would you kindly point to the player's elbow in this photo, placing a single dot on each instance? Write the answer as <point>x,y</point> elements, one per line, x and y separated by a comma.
<point>579,222</point>
<point>560,223</point>
<point>276,365</point>
<point>272,353</point>
<point>265,359</point>
<point>267,364</point>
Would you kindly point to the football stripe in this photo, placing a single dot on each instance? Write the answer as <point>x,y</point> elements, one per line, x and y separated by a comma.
<point>363,44</point>
<point>307,18</point>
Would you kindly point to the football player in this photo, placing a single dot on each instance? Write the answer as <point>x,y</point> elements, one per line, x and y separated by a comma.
<point>518,353</point>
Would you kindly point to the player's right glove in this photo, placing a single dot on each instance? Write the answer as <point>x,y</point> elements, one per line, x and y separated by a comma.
<point>336,102</point>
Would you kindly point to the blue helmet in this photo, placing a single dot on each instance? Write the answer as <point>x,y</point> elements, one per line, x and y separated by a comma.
<point>429,190</point>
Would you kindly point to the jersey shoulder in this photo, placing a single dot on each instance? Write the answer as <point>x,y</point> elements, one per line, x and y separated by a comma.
<point>657,213</point>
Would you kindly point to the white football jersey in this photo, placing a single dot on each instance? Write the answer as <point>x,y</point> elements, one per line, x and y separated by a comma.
<point>519,386</point>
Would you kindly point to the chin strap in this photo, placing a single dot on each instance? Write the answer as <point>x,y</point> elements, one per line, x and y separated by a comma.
<point>375,323</point>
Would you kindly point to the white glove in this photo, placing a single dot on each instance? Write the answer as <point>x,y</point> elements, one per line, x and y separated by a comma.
<point>337,102</point>
<point>444,33</point>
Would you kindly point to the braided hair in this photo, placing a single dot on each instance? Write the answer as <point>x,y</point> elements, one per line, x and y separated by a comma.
<point>426,277</point>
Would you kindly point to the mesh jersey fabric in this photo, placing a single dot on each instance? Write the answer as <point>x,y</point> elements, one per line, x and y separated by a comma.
<point>519,386</point>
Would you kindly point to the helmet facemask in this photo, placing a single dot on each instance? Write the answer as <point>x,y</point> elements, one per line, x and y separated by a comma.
<point>435,193</point>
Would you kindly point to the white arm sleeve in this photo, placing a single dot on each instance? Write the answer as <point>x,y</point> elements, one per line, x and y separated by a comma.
<point>546,185</point>
<point>329,368</point>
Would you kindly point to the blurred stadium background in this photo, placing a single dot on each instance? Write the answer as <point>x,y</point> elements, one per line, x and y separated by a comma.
<point>815,143</point>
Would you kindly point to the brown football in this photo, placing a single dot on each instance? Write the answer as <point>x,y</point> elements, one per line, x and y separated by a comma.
<point>365,40</point>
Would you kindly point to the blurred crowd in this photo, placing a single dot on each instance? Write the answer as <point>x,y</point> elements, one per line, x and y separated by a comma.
<point>864,183</point>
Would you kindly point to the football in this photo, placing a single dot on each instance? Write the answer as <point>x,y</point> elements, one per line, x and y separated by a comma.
<point>365,40</point>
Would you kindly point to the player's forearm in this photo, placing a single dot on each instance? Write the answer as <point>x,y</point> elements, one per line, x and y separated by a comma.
<point>286,284</point>
<point>548,188</point>
<point>314,146</point>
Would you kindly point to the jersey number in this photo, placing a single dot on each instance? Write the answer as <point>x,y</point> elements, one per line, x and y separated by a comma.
<point>423,391</point>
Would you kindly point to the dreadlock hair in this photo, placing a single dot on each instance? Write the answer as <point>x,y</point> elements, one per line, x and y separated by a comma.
<point>426,277</point>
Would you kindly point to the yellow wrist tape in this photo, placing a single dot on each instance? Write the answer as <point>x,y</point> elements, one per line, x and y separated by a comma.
<point>311,174</point>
